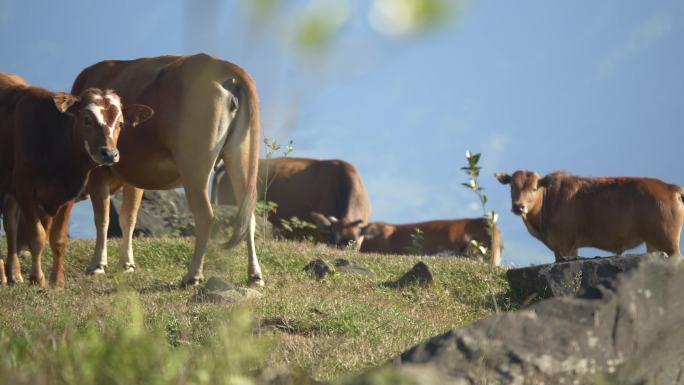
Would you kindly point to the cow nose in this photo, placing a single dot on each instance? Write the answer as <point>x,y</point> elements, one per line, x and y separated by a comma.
<point>109,155</point>
<point>518,208</point>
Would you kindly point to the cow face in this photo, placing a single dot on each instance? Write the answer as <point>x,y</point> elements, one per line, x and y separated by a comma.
<point>341,232</point>
<point>525,190</point>
<point>99,118</point>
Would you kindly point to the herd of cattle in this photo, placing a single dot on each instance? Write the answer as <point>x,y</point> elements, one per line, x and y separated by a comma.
<point>165,122</point>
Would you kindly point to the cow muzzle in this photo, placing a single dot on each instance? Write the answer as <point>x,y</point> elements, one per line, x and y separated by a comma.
<point>108,155</point>
<point>519,209</point>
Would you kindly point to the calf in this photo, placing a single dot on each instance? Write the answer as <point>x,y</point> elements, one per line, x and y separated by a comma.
<point>328,193</point>
<point>49,143</point>
<point>437,237</point>
<point>567,212</point>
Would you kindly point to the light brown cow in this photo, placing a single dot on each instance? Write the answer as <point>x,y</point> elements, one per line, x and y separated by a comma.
<point>49,143</point>
<point>450,236</point>
<point>205,108</point>
<point>328,193</point>
<point>567,212</point>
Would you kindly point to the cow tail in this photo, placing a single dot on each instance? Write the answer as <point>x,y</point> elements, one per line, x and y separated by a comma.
<point>219,173</point>
<point>248,127</point>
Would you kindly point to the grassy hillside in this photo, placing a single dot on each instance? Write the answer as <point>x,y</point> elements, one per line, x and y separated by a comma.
<point>116,328</point>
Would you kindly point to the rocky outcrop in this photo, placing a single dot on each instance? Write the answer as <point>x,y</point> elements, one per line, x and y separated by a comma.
<point>571,277</point>
<point>627,333</point>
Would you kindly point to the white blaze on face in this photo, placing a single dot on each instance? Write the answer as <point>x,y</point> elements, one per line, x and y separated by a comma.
<point>98,112</point>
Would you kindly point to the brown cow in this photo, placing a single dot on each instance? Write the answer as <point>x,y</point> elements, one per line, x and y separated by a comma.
<point>328,193</point>
<point>451,236</point>
<point>49,143</point>
<point>205,109</point>
<point>567,212</point>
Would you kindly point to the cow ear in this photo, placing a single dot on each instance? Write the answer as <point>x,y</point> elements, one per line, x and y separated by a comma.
<point>321,221</point>
<point>503,177</point>
<point>135,114</point>
<point>65,103</point>
<point>544,182</point>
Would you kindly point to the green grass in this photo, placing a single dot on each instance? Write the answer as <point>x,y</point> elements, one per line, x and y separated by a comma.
<point>329,329</point>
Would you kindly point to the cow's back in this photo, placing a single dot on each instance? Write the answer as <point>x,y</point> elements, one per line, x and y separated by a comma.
<point>300,186</point>
<point>436,237</point>
<point>614,213</point>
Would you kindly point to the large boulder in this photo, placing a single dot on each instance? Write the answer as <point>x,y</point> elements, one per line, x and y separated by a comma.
<point>628,333</point>
<point>571,277</point>
<point>166,213</point>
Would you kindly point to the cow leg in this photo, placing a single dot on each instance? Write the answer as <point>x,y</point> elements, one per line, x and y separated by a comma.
<point>11,223</point>
<point>36,234</point>
<point>58,241</point>
<point>198,202</point>
<point>98,188</point>
<point>130,205</point>
<point>237,169</point>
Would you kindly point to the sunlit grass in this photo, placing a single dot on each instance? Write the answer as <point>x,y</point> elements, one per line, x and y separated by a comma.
<point>330,328</point>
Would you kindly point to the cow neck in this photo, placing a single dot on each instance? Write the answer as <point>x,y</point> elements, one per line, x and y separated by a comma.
<point>534,219</point>
<point>78,163</point>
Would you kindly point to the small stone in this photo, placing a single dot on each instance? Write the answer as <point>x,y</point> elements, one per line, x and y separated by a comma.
<point>319,268</point>
<point>419,274</point>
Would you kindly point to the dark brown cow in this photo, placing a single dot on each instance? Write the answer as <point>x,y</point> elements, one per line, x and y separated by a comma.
<point>49,143</point>
<point>567,212</point>
<point>440,236</point>
<point>205,109</point>
<point>328,193</point>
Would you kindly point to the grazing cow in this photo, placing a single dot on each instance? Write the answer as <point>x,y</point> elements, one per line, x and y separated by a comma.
<point>327,193</point>
<point>567,212</point>
<point>49,143</point>
<point>205,109</point>
<point>441,236</point>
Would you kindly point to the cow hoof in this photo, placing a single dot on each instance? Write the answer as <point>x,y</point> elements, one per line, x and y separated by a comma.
<point>191,280</point>
<point>39,280</point>
<point>95,270</point>
<point>16,279</point>
<point>129,268</point>
<point>256,282</point>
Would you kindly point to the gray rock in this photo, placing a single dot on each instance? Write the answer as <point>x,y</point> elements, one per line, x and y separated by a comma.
<point>628,333</point>
<point>319,268</point>
<point>217,290</point>
<point>345,266</point>
<point>419,274</point>
<point>165,213</point>
<point>571,277</point>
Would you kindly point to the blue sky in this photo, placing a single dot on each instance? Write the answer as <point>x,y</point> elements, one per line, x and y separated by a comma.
<point>595,88</point>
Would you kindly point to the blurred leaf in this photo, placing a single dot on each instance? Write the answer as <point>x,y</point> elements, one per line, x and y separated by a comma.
<point>261,8</point>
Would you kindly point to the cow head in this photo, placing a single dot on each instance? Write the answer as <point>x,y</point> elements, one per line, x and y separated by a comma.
<point>341,232</point>
<point>526,190</point>
<point>98,120</point>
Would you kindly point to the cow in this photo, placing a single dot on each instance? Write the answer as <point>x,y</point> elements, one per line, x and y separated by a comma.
<point>327,193</point>
<point>49,143</point>
<point>436,237</point>
<point>566,212</point>
<point>205,109</point>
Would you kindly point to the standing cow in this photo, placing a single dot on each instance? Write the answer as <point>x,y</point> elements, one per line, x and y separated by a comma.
<point>205,109</point>
<point>439,236</point>
<point>328,193</point>
<point>567,212</point>
<point>49,143</point>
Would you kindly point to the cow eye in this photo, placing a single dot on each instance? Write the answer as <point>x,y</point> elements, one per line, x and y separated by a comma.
<point>121,125</point>
<point>87,120</point>
<point>535,189</point>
